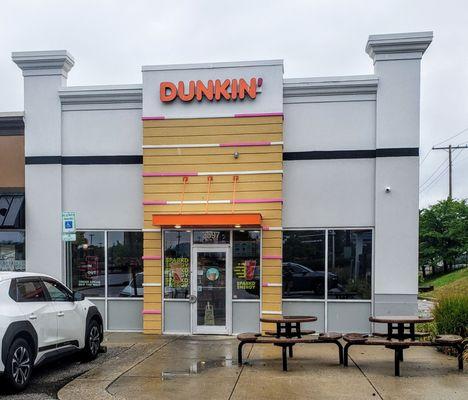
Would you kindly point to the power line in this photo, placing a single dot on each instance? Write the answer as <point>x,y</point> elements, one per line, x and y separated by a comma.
<point>424,159</point>
<point>454,136</point>
<point>436,170</point>
<point>442,173</point>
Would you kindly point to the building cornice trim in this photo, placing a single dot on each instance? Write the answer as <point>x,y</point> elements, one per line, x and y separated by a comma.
<point>11,123</point>
<point>44,63</point>
<point>391,46</point>
<point>87,95</point>
<point>330,86</point>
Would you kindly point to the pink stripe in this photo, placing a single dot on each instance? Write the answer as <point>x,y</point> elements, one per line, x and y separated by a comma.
<point>151,312</point>
<point>272,257</point>
<point>273,200</point>
<point>244,144</point>
<point>151,257</point>
<point>155,203</point>
<point>274,114</point>
<point>148,174</point>
<point>152,118</point>
<point>265,228</point>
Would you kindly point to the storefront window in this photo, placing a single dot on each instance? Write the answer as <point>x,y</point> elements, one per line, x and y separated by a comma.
<point>176,264</point>
<point>304,264</point>
<point>246,265</point>
<point>124,264</point>
<point>87,263</point>
<point>12,256</point>
<point>349,264</point>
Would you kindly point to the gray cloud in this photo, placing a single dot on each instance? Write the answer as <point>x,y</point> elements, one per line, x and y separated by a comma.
<point>110,40</point>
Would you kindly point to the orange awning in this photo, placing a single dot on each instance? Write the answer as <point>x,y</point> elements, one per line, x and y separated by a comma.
<point>211,220</point>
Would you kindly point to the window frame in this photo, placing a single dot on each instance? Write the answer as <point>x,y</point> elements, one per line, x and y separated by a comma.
<point>326,299</point>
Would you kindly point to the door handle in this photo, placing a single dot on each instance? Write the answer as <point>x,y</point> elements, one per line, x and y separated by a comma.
<point>60,314</point>
<point>32,316</point>
<point>192,299</point>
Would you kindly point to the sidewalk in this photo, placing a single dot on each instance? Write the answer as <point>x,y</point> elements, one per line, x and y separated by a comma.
<point>170,367</point>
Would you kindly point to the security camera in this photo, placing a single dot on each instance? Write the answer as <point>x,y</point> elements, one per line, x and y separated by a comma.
<point>388,189</point>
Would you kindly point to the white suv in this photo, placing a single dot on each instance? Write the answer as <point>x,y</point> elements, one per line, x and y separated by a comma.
<point>39,319</point>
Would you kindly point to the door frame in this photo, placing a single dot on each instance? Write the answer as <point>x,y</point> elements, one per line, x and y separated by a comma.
<point>212,248</point>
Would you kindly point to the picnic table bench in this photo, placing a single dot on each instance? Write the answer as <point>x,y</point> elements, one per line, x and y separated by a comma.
<point>284,343</point>
<point>398,346</point>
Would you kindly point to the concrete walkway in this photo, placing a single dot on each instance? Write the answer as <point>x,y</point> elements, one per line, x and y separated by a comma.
<point>165,367</point>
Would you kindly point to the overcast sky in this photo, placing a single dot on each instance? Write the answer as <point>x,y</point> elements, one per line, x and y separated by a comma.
<point>110,40</point>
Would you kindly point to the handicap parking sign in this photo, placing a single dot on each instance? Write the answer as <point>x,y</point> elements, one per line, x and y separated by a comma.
<point>68,223</point>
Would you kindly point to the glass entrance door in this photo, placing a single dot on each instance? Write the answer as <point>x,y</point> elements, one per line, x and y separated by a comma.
<point>211,290</point>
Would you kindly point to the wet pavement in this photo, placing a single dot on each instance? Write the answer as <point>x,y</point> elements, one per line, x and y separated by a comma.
<point>170,367</point>
<point>48,379</point>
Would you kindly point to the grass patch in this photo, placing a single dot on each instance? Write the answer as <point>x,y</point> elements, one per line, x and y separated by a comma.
<point>455,282</point>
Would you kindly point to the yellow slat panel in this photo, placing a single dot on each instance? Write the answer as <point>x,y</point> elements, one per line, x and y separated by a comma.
<point>272,291</point>
<point>152,290</point>
<point>152,306</point>
<point>215,187</point>
<point>214,138</point>
<point>204,151</point>
<point>154,298</point>
<point>213,159</point>
<point>210,130</point>
<point>153,317</point>
<point>213,121</point>
<point>268,210</point>
<point>151,325</point>
<point>271,298</point>
<point>165,180</point>
<point>254,166</point>
<point>213,196</point>
<point>271,306</point>
<point>276,278</point>
<point>270,272</point>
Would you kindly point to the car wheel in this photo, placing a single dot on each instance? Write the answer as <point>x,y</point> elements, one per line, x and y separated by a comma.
<point>93,340</point>
<point>19,364</point>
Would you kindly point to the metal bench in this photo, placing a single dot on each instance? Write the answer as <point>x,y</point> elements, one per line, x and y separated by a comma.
<point>284,343</point>
<point>398,346</point>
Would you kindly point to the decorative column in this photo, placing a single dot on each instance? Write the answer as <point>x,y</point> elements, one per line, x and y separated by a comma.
<point>45,73</point>
<point>397,64</point>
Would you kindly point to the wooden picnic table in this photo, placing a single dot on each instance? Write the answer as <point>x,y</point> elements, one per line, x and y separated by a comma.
<point>403,325</point>
<point>284,327</point>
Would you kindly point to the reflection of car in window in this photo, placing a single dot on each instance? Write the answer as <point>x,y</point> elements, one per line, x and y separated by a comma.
<point>299,280</point>
<point>134,287</point>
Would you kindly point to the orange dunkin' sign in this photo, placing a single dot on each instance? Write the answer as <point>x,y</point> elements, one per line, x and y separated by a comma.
<point>229,89</point>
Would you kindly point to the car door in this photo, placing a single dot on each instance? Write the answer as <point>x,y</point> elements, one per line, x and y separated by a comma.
<point>37,308</point>
<point>70,323</point>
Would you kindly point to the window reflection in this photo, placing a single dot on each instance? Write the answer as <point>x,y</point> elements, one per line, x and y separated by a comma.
<point>350,262</point>
<point>12,257</point>
<point>124,264</point>
<point>304,264</point>
<point>246,265</point>
<point>176,264</point>
<point>87,263</point>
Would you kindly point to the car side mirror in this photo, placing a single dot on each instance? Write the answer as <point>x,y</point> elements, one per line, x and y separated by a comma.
<point>78,296</point>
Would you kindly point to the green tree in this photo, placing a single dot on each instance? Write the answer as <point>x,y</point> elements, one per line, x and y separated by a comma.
<point>443,233</point>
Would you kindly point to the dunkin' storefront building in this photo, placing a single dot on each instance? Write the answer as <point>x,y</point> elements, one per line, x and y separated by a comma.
<point>213,194</point>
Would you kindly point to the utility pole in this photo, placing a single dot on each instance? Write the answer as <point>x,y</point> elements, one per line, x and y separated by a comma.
<point>450,148</point>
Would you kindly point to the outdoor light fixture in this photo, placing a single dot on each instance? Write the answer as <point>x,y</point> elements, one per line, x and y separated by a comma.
<point>237,226</point>
<point>177,226</point>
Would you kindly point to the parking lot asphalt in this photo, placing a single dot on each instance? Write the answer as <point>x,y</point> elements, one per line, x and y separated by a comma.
<point>49,378</point>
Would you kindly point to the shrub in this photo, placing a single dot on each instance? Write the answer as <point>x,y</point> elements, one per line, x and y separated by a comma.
<point>451,315</point>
